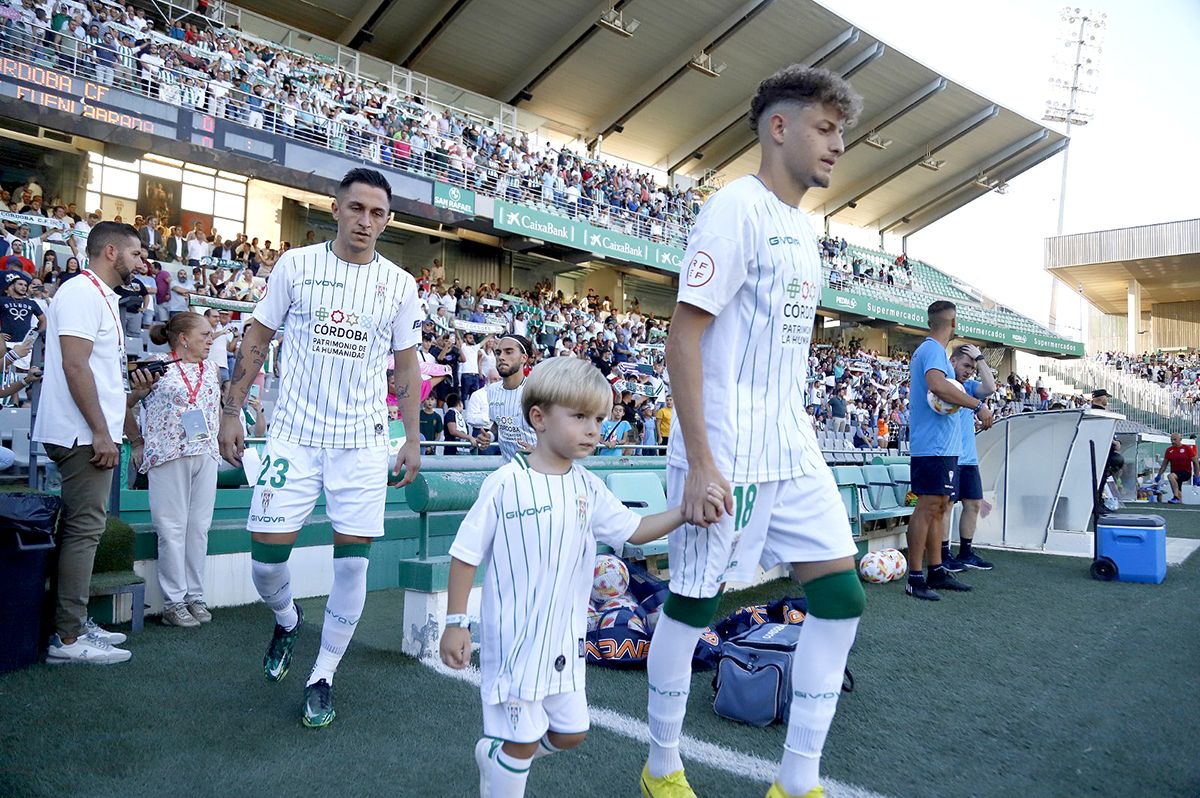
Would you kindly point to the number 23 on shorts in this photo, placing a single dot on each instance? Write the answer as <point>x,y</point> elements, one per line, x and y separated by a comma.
<point>281,468</point>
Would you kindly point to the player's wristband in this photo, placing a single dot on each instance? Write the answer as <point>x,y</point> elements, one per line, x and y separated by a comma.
<point>981,357</point>
<point>460,620</point>
<point>978,407</point>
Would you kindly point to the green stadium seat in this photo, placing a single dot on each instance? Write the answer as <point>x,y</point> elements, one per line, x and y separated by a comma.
<point>642,492</point>
<point>901,481</point>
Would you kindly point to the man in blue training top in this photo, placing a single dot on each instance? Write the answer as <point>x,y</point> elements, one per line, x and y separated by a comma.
<point>936,441</point>
<point>972,370</point>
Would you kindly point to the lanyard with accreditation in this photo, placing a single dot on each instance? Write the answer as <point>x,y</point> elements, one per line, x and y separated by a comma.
<point>195,425</point>
<point>121,366</point>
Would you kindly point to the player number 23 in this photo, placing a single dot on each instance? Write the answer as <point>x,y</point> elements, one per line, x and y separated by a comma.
<point>281,468</point>
<point>743,504</point>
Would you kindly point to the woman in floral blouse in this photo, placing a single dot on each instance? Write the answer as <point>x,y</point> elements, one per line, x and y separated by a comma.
<point>179,455</point>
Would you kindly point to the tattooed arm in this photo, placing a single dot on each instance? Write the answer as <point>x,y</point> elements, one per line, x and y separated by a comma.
<point>249,361</point>
<point>407,387</point>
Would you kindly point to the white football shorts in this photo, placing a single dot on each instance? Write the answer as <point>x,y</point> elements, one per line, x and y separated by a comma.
<point>794,520</point>
<point>518,721</point>
<point>291,478</point>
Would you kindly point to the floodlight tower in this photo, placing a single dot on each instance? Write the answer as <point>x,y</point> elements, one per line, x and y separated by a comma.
<point>1077,62</point>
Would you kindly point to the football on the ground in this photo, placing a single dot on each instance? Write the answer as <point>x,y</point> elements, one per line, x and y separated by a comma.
<point>899,563</point>
<point>609,579</point>
<point>876,567</point>
<point>941,407</point>
<point>593,618</point>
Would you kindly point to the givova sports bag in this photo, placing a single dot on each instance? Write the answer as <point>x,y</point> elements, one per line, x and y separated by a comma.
<point>754,675</point>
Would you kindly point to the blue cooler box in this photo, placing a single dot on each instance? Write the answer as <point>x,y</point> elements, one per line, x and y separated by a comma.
<point>1137,544</point>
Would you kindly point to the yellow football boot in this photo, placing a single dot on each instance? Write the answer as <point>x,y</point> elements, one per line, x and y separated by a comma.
<point>672,785</point>
<point>777,792</point>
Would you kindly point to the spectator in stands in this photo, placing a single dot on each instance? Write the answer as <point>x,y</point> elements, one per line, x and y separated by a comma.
<point>614,433</point>
<point>179,455</point>
<point>649,434</point>
<point>662,418</point>
<point>1099,398</point>
<point>151,239</point>
<point>454,425</point>
<point>431,424</point>
<point>469,373</point>
<point>863,436</point>
<point>837,411</point>
<point>19,315</point>
<point>1184,464</point>
<point>84,408</point>
<point>16,260</point>
<point>181,289</point>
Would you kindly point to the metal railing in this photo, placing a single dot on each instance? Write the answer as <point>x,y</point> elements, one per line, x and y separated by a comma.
<point>1142,401</point>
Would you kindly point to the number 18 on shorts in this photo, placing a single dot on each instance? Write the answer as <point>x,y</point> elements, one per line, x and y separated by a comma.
<point>793,520</point>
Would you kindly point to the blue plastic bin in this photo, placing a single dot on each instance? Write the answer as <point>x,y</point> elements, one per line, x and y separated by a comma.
<point>1136,544</point>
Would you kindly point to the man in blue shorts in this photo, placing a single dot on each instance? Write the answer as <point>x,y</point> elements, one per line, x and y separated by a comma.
<point>972,370</point>
<point>936,441</point>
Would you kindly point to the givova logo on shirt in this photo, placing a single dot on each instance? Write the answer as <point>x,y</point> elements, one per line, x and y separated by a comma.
<point>532,511</point>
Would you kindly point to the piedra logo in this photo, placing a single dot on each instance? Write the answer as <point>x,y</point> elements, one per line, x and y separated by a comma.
<point>846,302</point>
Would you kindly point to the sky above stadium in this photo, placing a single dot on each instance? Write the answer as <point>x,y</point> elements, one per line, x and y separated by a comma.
<point>1137,162</point>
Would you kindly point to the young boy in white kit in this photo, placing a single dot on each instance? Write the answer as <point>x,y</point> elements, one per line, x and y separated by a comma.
<point>535,525</point>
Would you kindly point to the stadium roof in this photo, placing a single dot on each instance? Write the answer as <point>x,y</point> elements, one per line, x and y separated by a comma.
<point>1164,258</point>
<point>639,92</point>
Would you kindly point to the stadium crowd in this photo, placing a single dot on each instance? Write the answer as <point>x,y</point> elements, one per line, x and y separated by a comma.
<point>1178,372</point>
<point>846,267</point>
<point>235,76</point>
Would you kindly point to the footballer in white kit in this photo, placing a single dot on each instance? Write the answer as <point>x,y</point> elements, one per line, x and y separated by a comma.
<point>512,432</point>
<point>343,309</point>
<point>738,356</point>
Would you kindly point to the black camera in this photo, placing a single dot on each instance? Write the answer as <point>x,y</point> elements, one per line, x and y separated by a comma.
<point>153,367</point>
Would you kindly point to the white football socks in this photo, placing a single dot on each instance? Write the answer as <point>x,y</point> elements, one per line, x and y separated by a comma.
<point>342,611</point>
<point>817,668</point>
<point>508,775</point>
<point>273,581</point>
<point>669,671</point>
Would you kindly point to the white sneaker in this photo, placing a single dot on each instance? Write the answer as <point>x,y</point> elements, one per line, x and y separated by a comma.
<point>178,615</point>
<point>86,650</point>
<point>95,630</point>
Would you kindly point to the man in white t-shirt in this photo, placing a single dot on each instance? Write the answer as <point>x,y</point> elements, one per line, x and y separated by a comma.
<point>468,370</point>
<point>738,355</point>
<point>343,309</point>
<point>82,412</point>
<point>218,353</point>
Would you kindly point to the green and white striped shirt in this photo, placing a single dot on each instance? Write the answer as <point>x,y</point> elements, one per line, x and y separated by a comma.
<point>752,262</point>
<point>535,534</point>
<point>340,322</point>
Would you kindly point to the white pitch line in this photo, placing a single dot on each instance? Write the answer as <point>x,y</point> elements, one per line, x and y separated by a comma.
<point>709,754</point>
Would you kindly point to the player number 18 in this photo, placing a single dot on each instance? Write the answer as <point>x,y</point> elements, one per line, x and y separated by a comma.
<point>743,504</point>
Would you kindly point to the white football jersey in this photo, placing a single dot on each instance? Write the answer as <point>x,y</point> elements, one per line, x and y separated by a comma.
<point>504,410</point>
<point>535,534</point>
<point>752,261</point>
<point>340,321</point>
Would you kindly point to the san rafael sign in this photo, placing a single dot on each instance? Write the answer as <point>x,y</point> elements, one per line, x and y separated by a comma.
<point>453,198</point>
